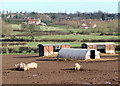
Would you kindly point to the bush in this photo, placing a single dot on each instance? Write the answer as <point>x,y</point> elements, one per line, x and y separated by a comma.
<point>117,48</point>
<point>71,32</point>
<point>29,49</point>
<point>101,40</point>
<point>25,49</point>
<point>13,50</point>
<point>4,50</point>
<point>57,40</point>
<point>21,49</point>
<point>85,32</point>
<point>36,50</point>
<point>0,50</point>
<point>13,44</point>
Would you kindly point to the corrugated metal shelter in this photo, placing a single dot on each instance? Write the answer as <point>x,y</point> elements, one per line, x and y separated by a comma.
<point>49,49</point>
<point>81,54</point>
<point>102,47</point>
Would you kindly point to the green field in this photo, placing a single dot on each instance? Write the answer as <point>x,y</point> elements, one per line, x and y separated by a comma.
<point>62,28</point>
<point>78,37</point>
<point>73,44</point>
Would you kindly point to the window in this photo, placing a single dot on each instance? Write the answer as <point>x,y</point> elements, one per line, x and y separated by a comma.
<point>100,46</point>
<point>57,48</point>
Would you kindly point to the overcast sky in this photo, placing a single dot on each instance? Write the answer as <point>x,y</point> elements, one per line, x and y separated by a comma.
<point>71,6</point>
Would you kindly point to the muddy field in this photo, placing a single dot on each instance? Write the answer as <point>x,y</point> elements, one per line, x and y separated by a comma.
<point>50,71</point>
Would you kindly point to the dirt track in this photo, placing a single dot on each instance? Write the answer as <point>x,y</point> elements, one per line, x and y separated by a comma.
<point>50,71</point>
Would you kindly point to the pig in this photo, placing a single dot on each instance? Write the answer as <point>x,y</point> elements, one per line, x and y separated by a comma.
<point>20,66</point>
<point>77,66</point>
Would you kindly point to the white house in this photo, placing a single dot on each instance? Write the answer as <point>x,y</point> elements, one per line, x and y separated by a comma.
<point>94,26</point>
<point>84,26</point>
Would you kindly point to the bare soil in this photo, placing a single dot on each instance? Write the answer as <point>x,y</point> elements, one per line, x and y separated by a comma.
<point>51,71</point>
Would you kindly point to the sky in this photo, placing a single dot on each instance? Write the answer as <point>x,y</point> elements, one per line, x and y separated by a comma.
<point>54,6</point>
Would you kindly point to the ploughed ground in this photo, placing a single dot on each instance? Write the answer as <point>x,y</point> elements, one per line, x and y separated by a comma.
<point>51,71</point>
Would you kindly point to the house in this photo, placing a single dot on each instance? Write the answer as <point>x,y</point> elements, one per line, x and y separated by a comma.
<point>102,47</point>
<point>81,54</point>
<point>84,26</point>
<point>50,49</point>
<point>94,26</point>
<point>34,21</point>
<point>8,16</point>
<point>12,15</point>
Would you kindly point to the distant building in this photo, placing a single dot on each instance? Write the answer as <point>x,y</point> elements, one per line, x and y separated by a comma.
<point>94,26</point>
<point>8,16</point>
<point>34,21</point>
<point>12,15</point>
<point>84,26</point>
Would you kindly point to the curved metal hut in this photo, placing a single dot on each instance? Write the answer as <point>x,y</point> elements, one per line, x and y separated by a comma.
<point>82,54</point>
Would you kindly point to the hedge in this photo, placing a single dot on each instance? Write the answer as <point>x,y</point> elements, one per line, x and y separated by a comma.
<point>14,44</point>
<point>4,50</point>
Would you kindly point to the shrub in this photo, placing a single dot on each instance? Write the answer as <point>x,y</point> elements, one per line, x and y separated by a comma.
<point>21,49</point>
<point>4,50</point>
<point>25,49</point>
<point>29,49</point>
<point>0,50</point>
<point>13,44</point>
<point>36,50</point>
<point>117,48</point>
<point>85,32</point>
<point>13,50</point>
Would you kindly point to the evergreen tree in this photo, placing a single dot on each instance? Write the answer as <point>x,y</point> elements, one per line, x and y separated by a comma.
<point>103,16</point>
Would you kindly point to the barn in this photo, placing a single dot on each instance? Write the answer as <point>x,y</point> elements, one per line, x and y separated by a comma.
<point>102,47</point>
<point>50,49</point>
<point>81,54</point>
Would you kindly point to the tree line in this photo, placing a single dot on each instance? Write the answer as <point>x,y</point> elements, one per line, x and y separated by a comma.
<point>60,16</point>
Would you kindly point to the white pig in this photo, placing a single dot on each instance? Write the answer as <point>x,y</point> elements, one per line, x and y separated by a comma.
<point>77,66</point>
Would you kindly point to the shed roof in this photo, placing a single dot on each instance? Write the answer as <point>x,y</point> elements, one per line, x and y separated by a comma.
<point>74,53</point>
<point>33,20</point>
<point>99,43</point>
<point>53,44</point>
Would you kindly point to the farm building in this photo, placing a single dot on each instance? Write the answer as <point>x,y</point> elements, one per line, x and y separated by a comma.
<point>49,49</point>
<point>102,47</point>
<point>33,21</point>
<point>81,54</point>
<point>84,26</point>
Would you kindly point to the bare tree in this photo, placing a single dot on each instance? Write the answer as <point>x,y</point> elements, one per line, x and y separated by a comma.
<point>5,28</point>
<point>31,30</point>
